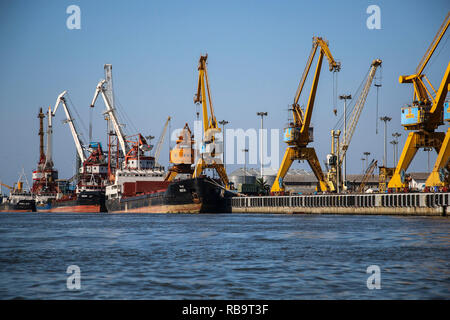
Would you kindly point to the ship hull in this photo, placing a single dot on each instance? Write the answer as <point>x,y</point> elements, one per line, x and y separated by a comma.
<point>21,206</point>
<point>199,195</point>
<point>83,203</point>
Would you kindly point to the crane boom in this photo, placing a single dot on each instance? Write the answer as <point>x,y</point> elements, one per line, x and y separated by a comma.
<point>69,119</point>
<point>304,119</point>
<point>359,105</point>
<point>111,111</point>
<point>367,175</point>
<point>49,151</point>
<point>5,185</point>
<point>161,140</point>
<point>437,38</point>
<point>421,93</point>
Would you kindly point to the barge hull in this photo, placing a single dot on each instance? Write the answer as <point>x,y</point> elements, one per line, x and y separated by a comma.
<point>21,206</point>
<point>199,195</point>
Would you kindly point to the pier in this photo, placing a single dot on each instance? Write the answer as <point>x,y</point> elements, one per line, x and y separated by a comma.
<point>414,204</point>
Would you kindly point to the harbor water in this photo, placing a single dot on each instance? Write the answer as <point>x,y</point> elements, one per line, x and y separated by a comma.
<point>223,256</point>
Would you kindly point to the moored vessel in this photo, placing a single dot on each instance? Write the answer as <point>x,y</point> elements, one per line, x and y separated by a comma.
<point>19,200</point>
<point>196,195</point>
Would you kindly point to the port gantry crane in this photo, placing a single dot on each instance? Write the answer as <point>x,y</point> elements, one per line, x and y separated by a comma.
<point>423,117</point>
<point>299,133</point>
<point>134,157</point>
<point>208,158</point>
<point>133,151</point>
<point>69,119</point>
<point>335,160</point>
<point>100,89</point>
<point>161,141</point>
<point>93,172</point>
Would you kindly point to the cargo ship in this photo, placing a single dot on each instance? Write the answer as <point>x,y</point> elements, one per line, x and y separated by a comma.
<point>18,201</point>
<point>196,195</point>
<point>144,187</point>
<point>89,195</point>
<point>87,202</point>
<point>53,195</point>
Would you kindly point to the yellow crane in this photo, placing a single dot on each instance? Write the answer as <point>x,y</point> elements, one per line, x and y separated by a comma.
<point>423,117</point>
<point>299,133</point>
<point>5,185</point>
<point>207,158</point>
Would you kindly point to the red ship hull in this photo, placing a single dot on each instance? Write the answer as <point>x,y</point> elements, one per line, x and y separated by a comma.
<point>75,208</point>
<point>85,202</point>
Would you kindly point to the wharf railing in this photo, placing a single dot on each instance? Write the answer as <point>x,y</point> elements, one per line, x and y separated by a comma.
<point>397,200</point>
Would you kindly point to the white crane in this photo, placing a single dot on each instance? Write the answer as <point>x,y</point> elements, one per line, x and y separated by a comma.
<point>161,140</point>
<point>48,155</point>
<point>112,115</point>
<point>69,120</point>
<point>359,105</point>
<point>335,161</point>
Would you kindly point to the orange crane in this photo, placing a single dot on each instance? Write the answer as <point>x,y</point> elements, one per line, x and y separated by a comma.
<point>182,155</point>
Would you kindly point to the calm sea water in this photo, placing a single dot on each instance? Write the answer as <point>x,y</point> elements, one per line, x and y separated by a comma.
<point>228,256</point>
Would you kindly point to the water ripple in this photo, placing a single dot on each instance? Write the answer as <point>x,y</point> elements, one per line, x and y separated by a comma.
<point>226,256</point>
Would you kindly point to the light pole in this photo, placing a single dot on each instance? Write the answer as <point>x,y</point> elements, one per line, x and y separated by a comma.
<point>245,163</point>
<point>394,144</point>
<point>385,119</point>
<point>396,135</point>
<point>377,85</point>
<point>428,150</point>
<point>345,98</point>
<point>362,159</point>
<point>262,115</point>
<point>367,157</point>
<point>223,123</point>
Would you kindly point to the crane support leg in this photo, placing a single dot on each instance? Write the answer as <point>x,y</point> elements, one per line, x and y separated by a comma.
<point>414,141</point>
<point>222,173</point>
<point>220,169</point>
<point>284,167</point>
<point>199,167</point>
<point>310,155</point>
<point>408,153</point>
<point>171,176</point>
<point>442,161</point>
<point>291,154</point>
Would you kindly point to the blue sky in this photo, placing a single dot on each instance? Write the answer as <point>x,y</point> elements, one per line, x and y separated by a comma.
<point>257,51</point>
